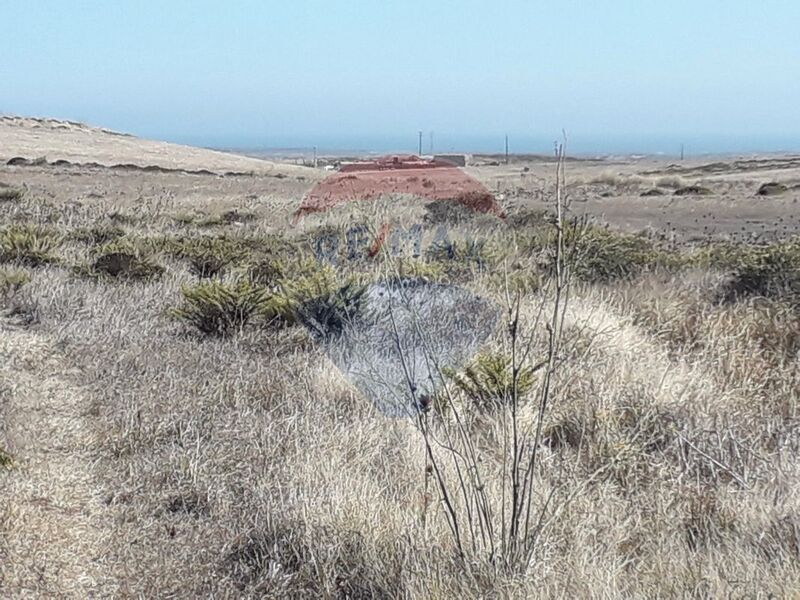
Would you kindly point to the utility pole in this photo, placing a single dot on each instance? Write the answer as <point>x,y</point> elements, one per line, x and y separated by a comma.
<point>420,143</point>
<point>431,147</point>
<point>315,157</point>
<point>681,151</point>
<point>506,149</point>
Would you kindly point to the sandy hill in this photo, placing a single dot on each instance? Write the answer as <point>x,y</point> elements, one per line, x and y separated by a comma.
<point>54,139</point>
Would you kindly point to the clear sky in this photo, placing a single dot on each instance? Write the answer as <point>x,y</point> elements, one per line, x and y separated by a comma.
<point>263,73</point>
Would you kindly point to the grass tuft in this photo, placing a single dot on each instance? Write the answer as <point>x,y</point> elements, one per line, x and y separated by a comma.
<point>28,245</point>
<point>125,260</point>
<point>488,382</point>
<point>209,256</point>
<point>10,194</point>
<point>217,308</point>
<point>6,460</point>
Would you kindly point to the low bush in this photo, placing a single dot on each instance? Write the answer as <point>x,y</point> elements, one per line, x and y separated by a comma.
<point>208,256</point>
<point>488,381</point>
<point>217,308</point>
<point>10,194</point>
<point>600,256</point>
<point>28,245</point>
<point>97,234</point>
<point>316,297</point>
<point>458,255</point>
<point>123,260</point>
<point>6,460</point>
<point>771,271</point>
<point>328,310</point>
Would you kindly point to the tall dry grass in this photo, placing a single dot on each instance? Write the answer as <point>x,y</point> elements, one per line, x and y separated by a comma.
<point>246,466</point>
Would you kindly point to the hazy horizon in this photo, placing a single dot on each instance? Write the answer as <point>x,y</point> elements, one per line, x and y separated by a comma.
<point>368,76</point>
<point>597,144</point>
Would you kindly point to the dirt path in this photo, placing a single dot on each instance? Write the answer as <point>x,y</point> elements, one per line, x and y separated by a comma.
<point>54,525</point>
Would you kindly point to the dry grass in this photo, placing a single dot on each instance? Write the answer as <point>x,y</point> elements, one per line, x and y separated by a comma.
<point>245,465</point>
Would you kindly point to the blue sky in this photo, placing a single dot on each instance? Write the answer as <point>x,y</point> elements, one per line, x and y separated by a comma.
<point>261,73</point>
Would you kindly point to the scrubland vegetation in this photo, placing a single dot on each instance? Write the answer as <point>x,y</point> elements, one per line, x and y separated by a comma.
<point>630,429</point>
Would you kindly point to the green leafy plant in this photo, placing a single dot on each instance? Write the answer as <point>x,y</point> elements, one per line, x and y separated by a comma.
<point>28,245</point>
<point>209,256</point>
<point>418,269</point>
<point>125,260</point>
<point>217,308</point>
<point>769,271</point>
<point>489,381</point>
<point>314,296</point>
<point>601,256</point>
<point>328,311</point>
<point>266,271</point>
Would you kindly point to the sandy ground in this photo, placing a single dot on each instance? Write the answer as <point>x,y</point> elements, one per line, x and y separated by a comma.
<point>610,190</point>
<point>77,143</point>
<point>52,495</point>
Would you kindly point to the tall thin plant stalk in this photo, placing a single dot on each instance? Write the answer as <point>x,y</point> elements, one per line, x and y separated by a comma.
<point>506,537</point>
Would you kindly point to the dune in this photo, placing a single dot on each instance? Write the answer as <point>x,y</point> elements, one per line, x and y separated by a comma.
<point>60,140</point>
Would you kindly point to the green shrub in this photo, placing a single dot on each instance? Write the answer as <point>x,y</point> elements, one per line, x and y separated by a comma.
<point>488,381</point>
<point>459,256</point>
<point>28,245</point>
<point>314,296</point>
<point>10,194</point>
<point>208,256</point>
<point>518,280</point>
<point>6,460</point>
<point>97,234</point>
<point>771,271</point>
<point>327,311</point>
<point>417,269</point>
<point>266,271</point>
<point>125,260</point>
<point>217,308</point>
<point>598,255</point>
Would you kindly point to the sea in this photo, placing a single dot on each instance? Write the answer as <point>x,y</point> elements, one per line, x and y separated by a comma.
<point>577,144</point>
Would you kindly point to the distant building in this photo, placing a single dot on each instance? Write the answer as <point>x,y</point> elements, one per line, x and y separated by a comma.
<point>458,160</point>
